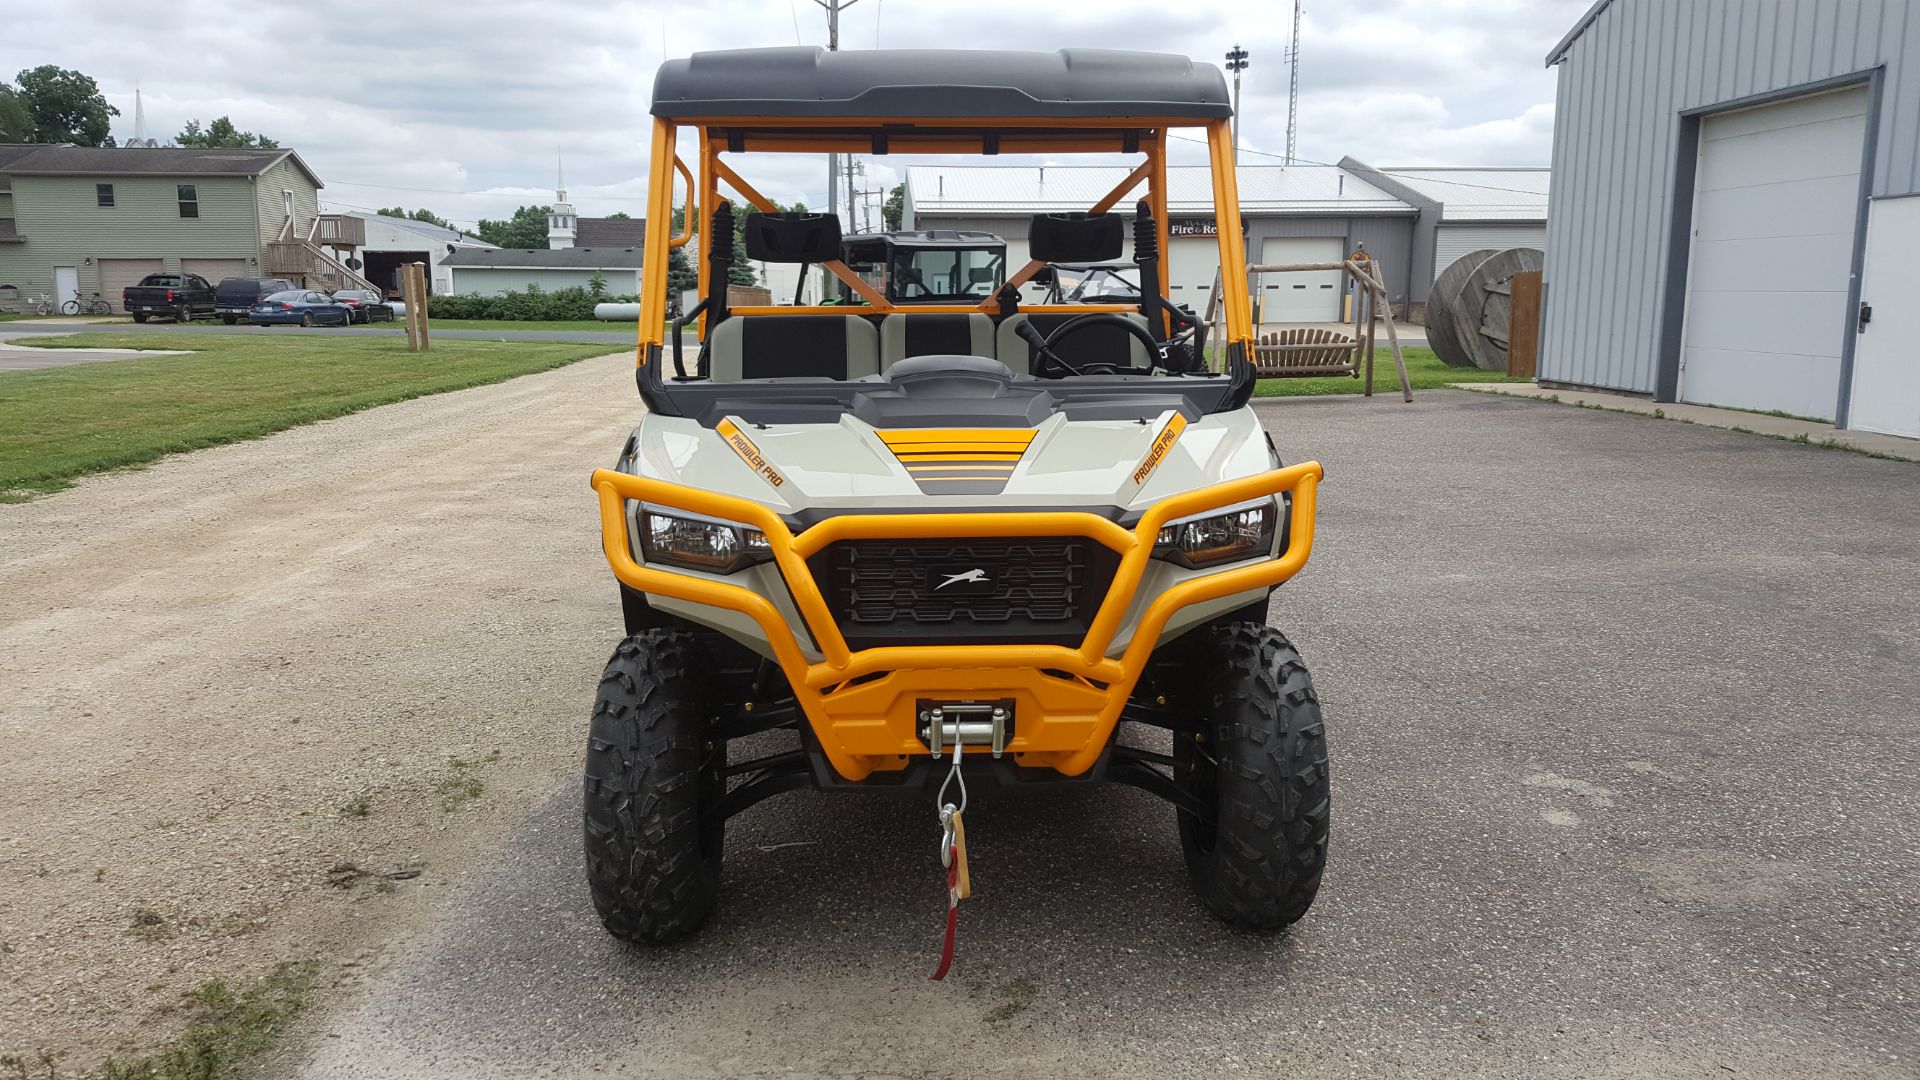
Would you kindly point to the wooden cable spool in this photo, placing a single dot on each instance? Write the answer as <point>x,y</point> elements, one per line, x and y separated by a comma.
<point>1470,308</point>
<point>1443,333</point>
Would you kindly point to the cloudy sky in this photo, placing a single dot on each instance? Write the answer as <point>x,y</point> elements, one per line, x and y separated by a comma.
<point>461,106</point>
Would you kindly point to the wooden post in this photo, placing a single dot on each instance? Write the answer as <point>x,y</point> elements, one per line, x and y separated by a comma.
<point>1393,335</point>
<point>1373,322</point>
<point>1523,332</point>
<point>413,292</point>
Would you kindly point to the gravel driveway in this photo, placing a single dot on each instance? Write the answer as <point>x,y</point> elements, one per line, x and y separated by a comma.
<point>1621,712</point>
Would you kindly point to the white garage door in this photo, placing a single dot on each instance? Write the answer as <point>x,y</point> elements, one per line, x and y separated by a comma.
<point>1452,241</point>
<point>214,270</point>
<point>118,274</point>
<point>1192,263</point>
<point>1775,202</point>
<point>1305,296</point>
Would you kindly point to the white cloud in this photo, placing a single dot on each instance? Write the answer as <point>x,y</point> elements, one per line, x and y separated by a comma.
<point>460,107</point>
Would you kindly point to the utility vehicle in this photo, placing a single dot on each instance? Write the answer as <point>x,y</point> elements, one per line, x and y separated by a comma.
<point>852,543</point>
<point>927,266</point>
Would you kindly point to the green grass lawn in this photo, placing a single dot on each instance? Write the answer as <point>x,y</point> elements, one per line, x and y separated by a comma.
<point>61,423</point>
<point>592,325</point>
<point>1424,371</point>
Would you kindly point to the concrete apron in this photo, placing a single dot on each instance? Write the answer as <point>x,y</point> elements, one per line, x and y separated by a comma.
<point>1779,427</point>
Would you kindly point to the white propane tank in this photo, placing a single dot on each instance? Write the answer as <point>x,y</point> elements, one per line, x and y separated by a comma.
<point>617,312</point>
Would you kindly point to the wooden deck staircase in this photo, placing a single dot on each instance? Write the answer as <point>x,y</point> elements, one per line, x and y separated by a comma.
<point>303,259</point>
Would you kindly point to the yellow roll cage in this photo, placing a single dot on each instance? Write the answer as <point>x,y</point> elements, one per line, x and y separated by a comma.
<point>720,135</point>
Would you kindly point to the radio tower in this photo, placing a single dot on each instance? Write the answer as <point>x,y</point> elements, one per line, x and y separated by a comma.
<point>1293,82</point>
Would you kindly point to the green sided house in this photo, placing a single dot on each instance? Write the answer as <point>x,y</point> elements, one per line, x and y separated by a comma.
<point>81,220</point>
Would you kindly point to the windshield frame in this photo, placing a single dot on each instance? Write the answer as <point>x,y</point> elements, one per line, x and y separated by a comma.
<point>719,136</point>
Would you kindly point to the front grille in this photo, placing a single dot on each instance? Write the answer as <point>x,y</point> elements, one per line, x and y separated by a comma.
<point>962,591</point>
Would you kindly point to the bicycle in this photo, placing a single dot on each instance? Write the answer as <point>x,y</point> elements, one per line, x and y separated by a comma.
<point>44,305</point>
<point>95,306</point>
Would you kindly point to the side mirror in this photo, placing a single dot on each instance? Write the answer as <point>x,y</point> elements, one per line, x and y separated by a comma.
<point>793,238</point>
<point>1076,237</point>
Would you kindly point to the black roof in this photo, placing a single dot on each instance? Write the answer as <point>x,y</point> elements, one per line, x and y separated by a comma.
<point>594,232</point>
<point>808,81</point>
<point>931,238</point>
<point>574,258</point>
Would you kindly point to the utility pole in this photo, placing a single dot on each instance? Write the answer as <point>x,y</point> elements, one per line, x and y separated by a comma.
<point>1293,82</point>
<point>833,9</point>
<point>1236,63</point>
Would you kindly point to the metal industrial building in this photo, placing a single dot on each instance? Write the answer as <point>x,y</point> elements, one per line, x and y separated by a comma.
<point>1464,209</point>
<point>1733,215</point>
<point>1298,213</point>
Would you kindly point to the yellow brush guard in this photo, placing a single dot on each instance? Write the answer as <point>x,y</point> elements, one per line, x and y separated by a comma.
<point>1061,722</point>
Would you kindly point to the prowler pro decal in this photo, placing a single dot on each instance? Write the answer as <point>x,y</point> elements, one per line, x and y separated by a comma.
<point>1162,443</point>
<point>748,452</point>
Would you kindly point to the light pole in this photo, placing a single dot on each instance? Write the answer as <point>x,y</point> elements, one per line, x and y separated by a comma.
<point>1236,63</point>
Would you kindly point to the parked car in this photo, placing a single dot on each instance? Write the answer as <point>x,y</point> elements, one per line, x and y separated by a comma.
<point>234,297</point>
<point>367,305</point>
<point>306,307</point>
<point>177,296</point>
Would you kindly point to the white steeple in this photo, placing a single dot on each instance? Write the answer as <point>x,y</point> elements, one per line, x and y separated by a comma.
<point>562,226</point>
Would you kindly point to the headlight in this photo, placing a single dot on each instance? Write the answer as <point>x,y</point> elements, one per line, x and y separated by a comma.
<point>700,543</point>
<point>1218,536</point>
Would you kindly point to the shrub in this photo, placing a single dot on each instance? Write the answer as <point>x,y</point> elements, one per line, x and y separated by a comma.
<point>533,305</point>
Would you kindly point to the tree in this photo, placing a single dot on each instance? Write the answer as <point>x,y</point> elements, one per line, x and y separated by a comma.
<point>222,133</point>
<point>16,120</point>
<point>65,107</point>
<point>527,228</point>
<point>422,214</point>
<point>896,208</point>
<point>619,215</point>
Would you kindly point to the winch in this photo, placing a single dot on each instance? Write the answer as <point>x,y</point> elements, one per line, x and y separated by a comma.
<point>968,723</point>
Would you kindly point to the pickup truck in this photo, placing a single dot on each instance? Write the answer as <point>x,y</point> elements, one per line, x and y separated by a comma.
<point>177,296</point>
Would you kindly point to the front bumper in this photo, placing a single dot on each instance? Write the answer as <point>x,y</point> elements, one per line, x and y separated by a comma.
<point>861,705</point>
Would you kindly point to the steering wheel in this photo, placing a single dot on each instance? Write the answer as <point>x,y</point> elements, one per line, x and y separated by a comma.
<point>1043,343</point>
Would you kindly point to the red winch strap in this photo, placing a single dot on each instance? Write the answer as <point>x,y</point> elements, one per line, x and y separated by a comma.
<point>953,920</point>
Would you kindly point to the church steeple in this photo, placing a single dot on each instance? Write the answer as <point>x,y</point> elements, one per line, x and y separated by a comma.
<point>562,226</point>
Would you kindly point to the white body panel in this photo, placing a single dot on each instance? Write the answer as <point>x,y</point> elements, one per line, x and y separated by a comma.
<point>1775,200</point>
<point>1886,359</point>
<point>1085,464</point>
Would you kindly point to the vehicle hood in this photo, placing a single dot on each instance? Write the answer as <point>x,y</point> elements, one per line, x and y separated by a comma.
<point>1092,464</point>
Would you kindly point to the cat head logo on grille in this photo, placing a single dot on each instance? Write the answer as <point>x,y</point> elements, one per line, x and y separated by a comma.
<point>972,577</point>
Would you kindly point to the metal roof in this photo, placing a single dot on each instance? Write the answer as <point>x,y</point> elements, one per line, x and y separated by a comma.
<point>1002,190</point>
<point>23,159</point>
<point>576,258</point>
<point>424,228</point>
<point>1480,193</point>
<point>808,81</point>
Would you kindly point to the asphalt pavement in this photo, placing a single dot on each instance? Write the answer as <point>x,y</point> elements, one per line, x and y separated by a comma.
<point>1623,729</point>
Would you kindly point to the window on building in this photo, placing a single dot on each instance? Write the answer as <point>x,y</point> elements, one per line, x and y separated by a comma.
<point>189,200</point>
<point>103,194</point>
<point>286,200</point>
